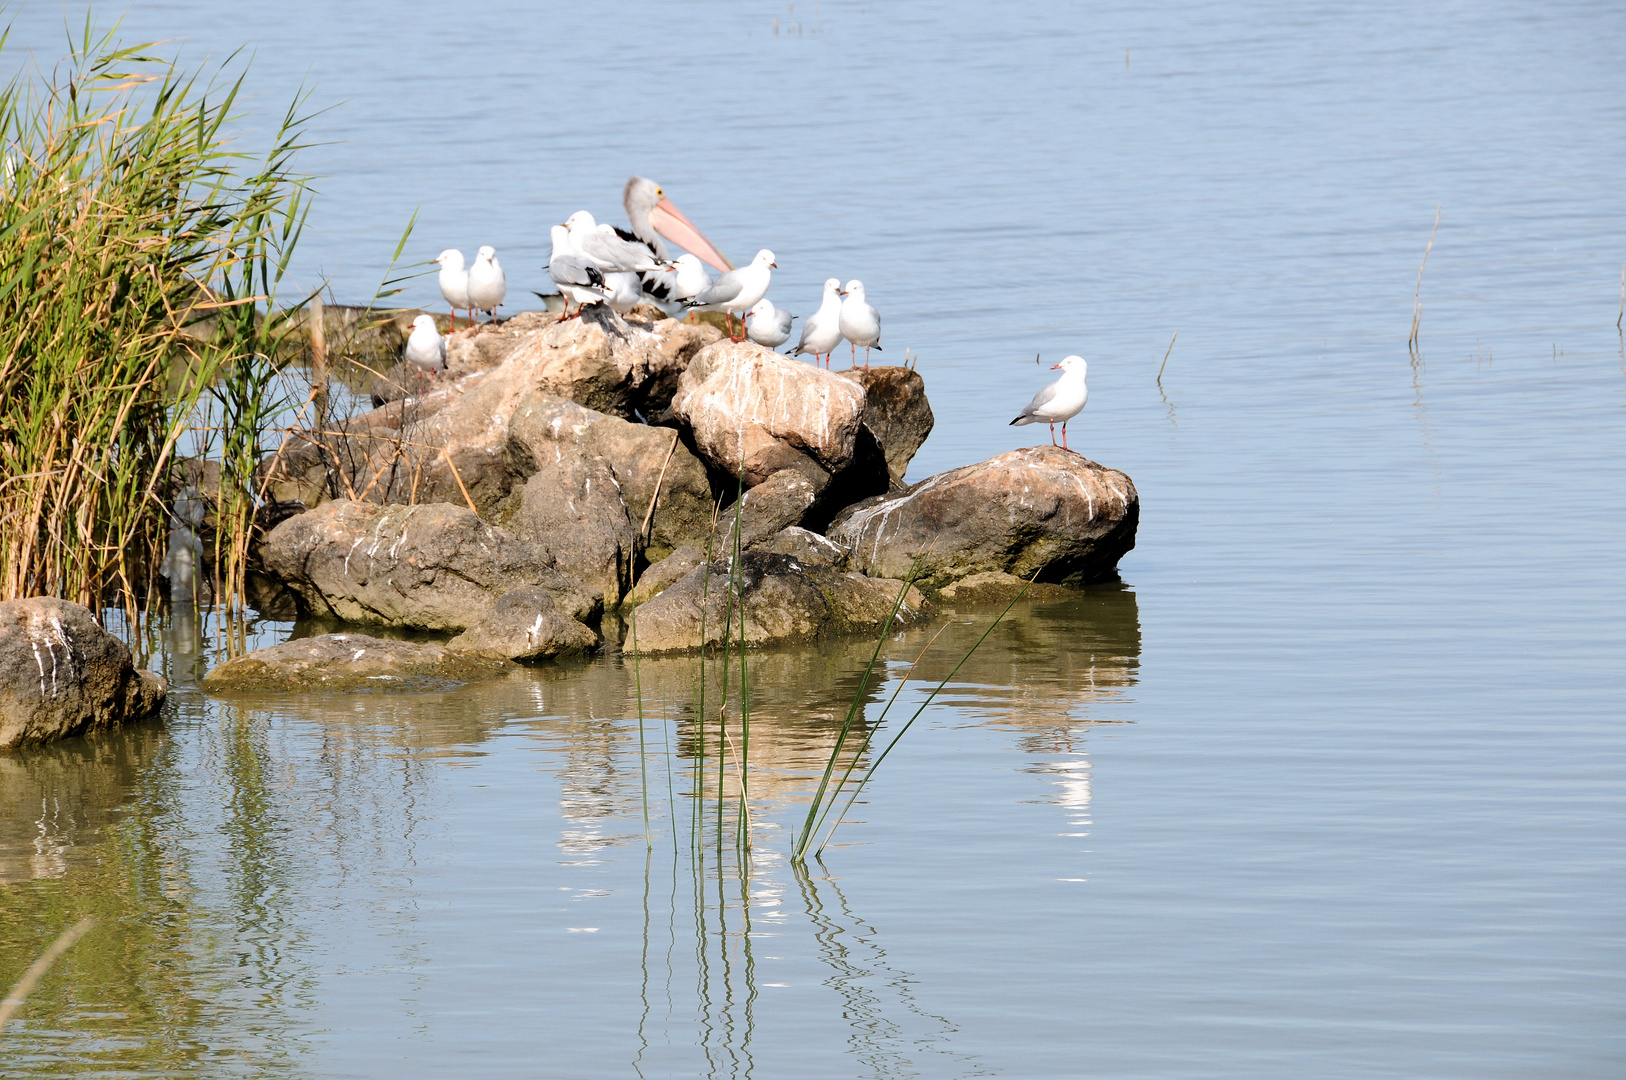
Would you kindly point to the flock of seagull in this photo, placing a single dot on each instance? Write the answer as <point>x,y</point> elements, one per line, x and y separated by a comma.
<point>594,263</point>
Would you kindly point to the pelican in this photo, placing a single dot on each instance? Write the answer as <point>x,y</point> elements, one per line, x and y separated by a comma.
<point>860,322</point>
<point>454,282</point>
<point>487,285</point>
<point>1060,401</point>
<point>653,217</point>
<point>822,331</point>
<point>738,291</point>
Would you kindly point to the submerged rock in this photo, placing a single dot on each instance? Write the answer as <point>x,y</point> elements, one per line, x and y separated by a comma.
<point>436,566</point>
<point>786,600</point>
<point>1041,510</point>
<point>61,675</point>
<point>350,662</point>
<point>525,625</point>
<point>754,412</point>
<point>896,412</point>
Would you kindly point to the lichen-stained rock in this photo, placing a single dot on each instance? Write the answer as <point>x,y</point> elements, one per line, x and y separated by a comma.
<point>435,566</point>
<point>782,499</point>
<point>786,600</point>
<point>896,412</point>
<point>546,429</point>
<point>61,675</point>
<point>350,662</point>
<point>1042,510</point>
<point>807,547</point>
<point>754,412</point>
<point>525,625</point>
<point>573,509</point>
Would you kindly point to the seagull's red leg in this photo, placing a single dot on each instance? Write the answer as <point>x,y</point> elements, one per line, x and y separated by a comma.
<point>1052,434</point>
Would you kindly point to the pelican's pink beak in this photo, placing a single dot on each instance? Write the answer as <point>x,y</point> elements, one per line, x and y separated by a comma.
<point>669,221</point>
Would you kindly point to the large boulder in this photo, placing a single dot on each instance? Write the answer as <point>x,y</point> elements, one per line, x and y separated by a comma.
<point>525,625</point>
<point>350,662</point>
<point>573,508</point>
<point>61,675</point>
<point>785,600</point>
<point>754,412</point>
<point>1041,510</point>
<point>896,412</point>
<point>547,429</point>
<point>435,566</point>
<point>669,571</point>
<point>782,499</point>
<point>449,443</point>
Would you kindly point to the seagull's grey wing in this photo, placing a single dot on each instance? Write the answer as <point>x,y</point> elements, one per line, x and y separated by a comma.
<point>782,321</point>
<point>722,290</point>
<point>575,270</point>
<point>1040,400</point>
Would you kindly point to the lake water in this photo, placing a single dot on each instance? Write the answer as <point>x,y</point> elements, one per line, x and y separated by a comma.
<point>1331,785</point>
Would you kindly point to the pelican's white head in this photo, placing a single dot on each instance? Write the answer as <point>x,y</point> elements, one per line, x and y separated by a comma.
<point>1072,365</point>
<point>451,259</point>
<point>641,194</point>
<point>854,288</point>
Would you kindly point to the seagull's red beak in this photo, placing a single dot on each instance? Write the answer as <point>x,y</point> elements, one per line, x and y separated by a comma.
<point>1055,367</point>
<point>669,221</point>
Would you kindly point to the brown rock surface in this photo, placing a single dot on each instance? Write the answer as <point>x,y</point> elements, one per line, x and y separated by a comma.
<point>896,412</point>
<point>350,662</point>
<point>435,566</point>
<point>62,675</point>
<point>525,625</point>
<point>1041,509</point>
<point>573,509</point>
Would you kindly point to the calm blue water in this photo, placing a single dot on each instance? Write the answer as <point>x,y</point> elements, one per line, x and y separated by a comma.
<point>1332,787</point>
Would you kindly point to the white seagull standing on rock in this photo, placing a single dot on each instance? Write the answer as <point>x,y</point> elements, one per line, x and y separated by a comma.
<point>1060,401</point>
<point>691,280</point>
<point>578,279</point>
<point>738,291</point>
<point>487,285</point>
<point>425,347</point>
<point>769,326</point>
<point>822,331</point>
<point>454,282</point>
<point>860,322</point>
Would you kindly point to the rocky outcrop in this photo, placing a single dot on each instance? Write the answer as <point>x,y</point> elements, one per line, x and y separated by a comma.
<point>785,600</point>
<point>1041,510</point>
<point>61,675</point>
<point>450,442</point>
<point>435,566</point>
<point>782,499</point>
<point>525,625</point>
<point>754,412</point>
<point>808,547</point>
<point>573,509</point>
<point>547,429</point>
<point>350,662</point>
<point>896,412</point>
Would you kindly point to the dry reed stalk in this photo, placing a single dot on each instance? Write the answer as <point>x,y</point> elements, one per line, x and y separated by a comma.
<point>1417,293</point>
<point>36,971</point>
<point>1165,363</point>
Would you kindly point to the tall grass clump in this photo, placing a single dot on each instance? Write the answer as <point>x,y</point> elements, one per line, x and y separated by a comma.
<point>139,250</point>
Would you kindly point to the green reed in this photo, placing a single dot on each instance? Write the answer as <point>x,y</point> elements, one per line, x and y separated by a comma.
<point>138,252</point>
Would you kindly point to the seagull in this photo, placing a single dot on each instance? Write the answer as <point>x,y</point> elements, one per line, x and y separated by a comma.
<point>738,291</point>
<point>691,280</point>
<point>769,325</point>
<point>1060,401</point>
<point>454,282</point>
<point>578,279</point>
<point>609,252</point>
<point>425,347</point>
<point>487,286</point>
<point>860,322</point>
<point>625,290</point>
<point>822,331</point>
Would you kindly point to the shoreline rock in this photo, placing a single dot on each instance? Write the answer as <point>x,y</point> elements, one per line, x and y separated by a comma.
<point>62,674</point>
<point>350,662</point>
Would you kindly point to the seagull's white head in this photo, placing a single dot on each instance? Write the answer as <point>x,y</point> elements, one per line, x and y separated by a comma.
<point>561,239</point>
<point>451,258</point>
<point>832,286</point>
<point>855,288</point>
<point>689,262</point>
<point>580,221</point>
<point>486,254</point>
<point>1072,365</point>
<point>425,323</point>
<point>765,258</point>
<point>763,307</point>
